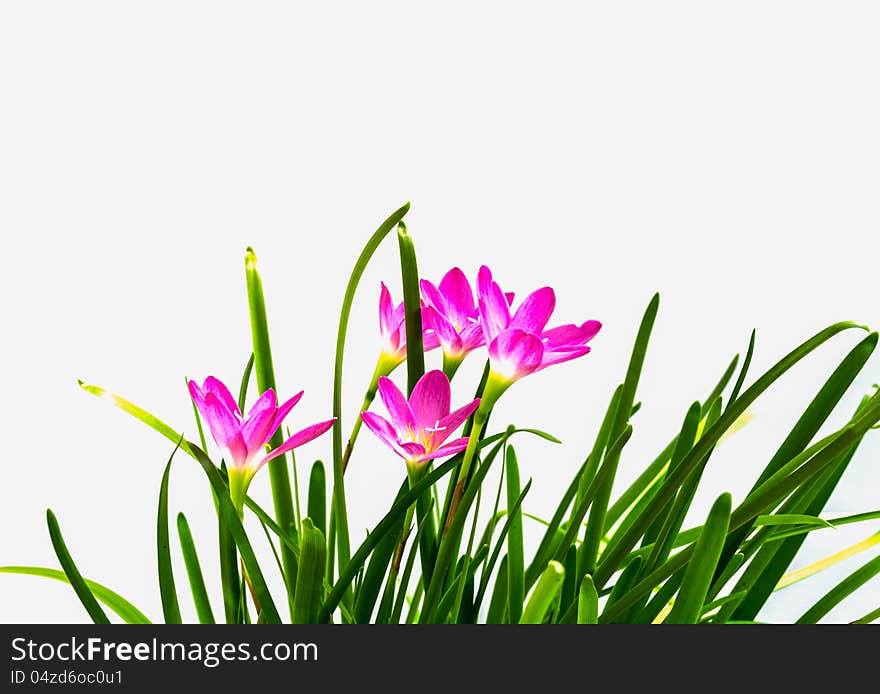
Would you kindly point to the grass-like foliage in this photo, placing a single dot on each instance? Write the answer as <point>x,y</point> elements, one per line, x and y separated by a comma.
<point>607,555</point>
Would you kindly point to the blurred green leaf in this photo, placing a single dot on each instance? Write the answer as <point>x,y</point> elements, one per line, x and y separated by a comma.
<point>834,596</point>
<point>542,597</point>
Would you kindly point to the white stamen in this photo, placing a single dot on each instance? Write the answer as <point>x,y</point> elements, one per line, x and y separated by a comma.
<point>436,427</point>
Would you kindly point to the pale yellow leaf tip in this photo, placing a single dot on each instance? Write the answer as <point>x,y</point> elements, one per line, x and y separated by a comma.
<point>250,258</point>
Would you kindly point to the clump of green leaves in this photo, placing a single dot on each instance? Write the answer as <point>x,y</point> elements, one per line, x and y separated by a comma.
<point>607,555</point>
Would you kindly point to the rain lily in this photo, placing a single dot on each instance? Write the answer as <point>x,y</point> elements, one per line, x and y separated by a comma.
<point>419,430</point>
<point>520,344</point>
<point>392,327</point>
<point>244,440</point>
<point>451,312</point>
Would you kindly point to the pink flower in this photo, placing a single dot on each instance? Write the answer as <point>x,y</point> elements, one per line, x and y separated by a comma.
<point>392,327</point>
<point>244,440</point>
<point>419,429</point>
<point>452,314</point>
<point>520,344</point>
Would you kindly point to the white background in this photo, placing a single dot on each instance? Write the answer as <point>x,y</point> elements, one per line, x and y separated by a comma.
<point>725,154</point>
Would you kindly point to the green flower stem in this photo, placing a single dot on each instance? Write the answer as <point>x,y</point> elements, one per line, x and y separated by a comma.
<point>450,365</point>
<point>405,530</point>
<point>384,366</point>
<point>495,386</point>
<point>479,420</point>
<point>238,484</point>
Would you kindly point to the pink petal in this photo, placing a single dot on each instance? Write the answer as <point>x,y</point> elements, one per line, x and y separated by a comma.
<point>510,296</point>
<point>551,358</point>
<point>282,412</point>
<point>267,399</point>
<point>454,446</point>
<point>430,339</point>
<point>386,312</point>
<point>258,423</point>
<point>197,394</point>
<point>570,334</point>
<point>381,427</point>
<point>216,386</point>
<point>534,312</point>
<point>472,336</point>
<point>398,409</point>
<point>448,424</point>
<point>225,429</point>
<point>484,280</point>
<point>413,452</point>
<point>399,315</point>
<point>430,399</point>
<point>443,331</point>
<point>459,296</point>
<point>222,423</point>
<point>494,311</point>
<point>396,337</point>
<point>432,296</point>
<point>300,438</point>
<point>515,354</point>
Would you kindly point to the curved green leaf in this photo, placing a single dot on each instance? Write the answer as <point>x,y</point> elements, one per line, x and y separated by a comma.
<point>339,517</point>
<point>588,602</point>
<point>194,572</point>
<point>611,559</point>
<point>122,607</point>
<point>697,579</point>
<point>167,590</point>
<point>515,560</point>
<point>317,505</point>
<point>546,590</point>
<point>310,578</point>
<point>74,577</point>
<point>412,301</point>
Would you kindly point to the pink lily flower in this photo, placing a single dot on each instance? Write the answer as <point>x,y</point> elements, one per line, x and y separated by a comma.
<point>451,312</point>
<point>244,440</point>
<point>392,327</point>
<point>520,344</point>
<point>419,429</point>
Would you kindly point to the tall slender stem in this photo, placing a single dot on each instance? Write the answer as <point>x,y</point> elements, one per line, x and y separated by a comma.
<point>480,417</point>
<point>382,369</point>
<point>279,478</point>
